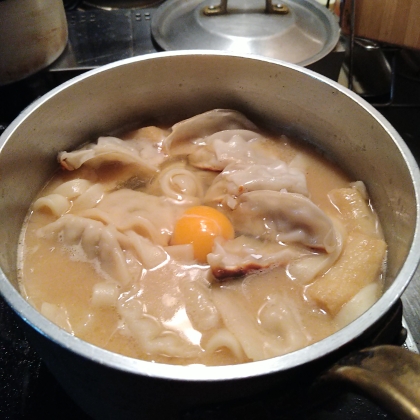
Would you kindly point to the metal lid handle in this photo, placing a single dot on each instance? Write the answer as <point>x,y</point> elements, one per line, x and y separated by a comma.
<point>221,9</point>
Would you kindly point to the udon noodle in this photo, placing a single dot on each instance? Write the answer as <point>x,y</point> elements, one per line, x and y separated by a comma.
<point>210,242</point>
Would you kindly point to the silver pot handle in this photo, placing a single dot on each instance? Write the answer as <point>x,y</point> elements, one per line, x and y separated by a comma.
<point>389,375</point>
<point>221,9</point>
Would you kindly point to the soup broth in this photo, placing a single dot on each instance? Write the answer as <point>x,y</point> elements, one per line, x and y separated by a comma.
<point>210,242</point>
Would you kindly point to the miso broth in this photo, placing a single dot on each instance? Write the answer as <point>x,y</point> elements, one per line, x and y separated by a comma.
<point>210,242</point>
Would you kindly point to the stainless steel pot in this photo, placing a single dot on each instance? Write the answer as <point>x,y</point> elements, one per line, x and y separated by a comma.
<point>33,34</point>
<point>166,87</point>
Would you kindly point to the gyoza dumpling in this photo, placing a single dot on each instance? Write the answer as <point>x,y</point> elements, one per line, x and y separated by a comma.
<point>144,154</point>
<point>284,217</point>
<point>240,178</point>
<point>149,216</point>
<point>243,255</point>
<point>203,125</point>
<point>92,241</point>
<point>229,146</point>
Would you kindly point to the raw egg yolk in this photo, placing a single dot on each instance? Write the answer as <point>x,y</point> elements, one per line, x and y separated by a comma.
<point>200,226</point>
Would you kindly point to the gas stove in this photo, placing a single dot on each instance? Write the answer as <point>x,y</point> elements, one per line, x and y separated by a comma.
<point>98,36</point>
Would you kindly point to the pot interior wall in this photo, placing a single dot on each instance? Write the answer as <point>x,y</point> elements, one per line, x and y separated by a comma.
<point>166,88</point>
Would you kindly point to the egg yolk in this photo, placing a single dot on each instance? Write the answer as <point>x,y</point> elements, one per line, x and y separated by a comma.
<point>200,226</point>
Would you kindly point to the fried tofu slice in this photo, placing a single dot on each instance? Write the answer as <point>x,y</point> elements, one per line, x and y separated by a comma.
<point>360,263</point>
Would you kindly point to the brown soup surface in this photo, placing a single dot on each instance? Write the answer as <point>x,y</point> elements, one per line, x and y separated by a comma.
<point>211,242</point>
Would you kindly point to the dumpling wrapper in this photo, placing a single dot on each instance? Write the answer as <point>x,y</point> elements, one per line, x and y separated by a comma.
<point>217,151</point>
<point>242,255</point>
<point>240,178</point>
<point>284,217</point>
<point>143,154</point>
<point>203,125</point>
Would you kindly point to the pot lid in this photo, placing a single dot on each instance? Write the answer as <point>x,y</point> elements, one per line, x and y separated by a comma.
<point>297,31</point>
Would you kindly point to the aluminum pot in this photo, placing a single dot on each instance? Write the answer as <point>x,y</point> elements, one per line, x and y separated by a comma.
<point>166,87</point>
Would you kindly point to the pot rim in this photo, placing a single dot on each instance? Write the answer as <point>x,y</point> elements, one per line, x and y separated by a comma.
<point>201,373</point>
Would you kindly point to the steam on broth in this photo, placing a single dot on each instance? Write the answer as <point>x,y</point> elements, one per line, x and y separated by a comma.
<point>211,242</point>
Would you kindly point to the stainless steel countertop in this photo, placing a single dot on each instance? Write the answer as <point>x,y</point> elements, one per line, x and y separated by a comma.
<point>98,37</point>
<point>411,308</point>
